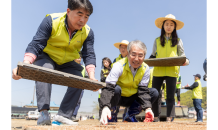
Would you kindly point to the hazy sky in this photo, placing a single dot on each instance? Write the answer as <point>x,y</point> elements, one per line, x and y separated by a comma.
<point>112,21</point>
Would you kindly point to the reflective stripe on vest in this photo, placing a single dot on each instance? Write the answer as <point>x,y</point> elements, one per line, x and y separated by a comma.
<point>128,84</point>
<point>105,71</point>
<point>59,48</point>
<point>117,59</point>
<point>197,92</point>
<point>151,78</point>
<point>83,71</point>
<point>178,86</point>
<point>163,52</point>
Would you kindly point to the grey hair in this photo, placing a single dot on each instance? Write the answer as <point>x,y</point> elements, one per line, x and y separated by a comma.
<point>137,43</point>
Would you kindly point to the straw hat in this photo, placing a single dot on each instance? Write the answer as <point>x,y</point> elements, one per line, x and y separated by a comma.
<point>123,42</point>
<point>159,21</point>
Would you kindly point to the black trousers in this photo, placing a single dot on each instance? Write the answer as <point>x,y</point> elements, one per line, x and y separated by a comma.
<point>178,94</point>
<point>170,101</point>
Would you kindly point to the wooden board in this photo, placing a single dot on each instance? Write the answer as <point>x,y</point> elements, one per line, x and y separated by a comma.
<point>42,74</point>
<point>170,61</point>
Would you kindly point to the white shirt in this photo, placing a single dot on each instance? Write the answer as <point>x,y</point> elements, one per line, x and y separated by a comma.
<point>117,71</point>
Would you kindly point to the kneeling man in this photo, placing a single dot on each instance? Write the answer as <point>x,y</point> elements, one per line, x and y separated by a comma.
<point>127,85</point>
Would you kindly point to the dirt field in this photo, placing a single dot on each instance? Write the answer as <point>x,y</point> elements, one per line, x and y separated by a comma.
<point>180,124</point>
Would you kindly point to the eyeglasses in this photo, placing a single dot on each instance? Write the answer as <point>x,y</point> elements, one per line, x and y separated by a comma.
<point>139,55</point>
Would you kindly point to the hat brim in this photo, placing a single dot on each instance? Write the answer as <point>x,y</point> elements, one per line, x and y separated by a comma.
<point>159,22</point>
<point>117,45</point>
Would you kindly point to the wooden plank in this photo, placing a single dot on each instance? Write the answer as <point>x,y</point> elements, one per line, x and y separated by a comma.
<point>169,61</point>
<point>42,74</point>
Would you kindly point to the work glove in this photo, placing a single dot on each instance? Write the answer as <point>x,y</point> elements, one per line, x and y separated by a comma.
<point>149,115</point>
<point>183,87</point>
<point>106,113</point>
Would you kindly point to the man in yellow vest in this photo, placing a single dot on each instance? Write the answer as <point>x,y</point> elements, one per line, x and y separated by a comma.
<point>127,85</point>
<point>55,45</point>
<point>196,96</point>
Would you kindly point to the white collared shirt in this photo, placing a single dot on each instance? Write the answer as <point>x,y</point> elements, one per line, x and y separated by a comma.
<point>117,71</point>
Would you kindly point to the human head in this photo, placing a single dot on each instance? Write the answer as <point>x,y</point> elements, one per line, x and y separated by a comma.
<point>78,13</point>
<point>197,76</point>
<point>123,50</point>
<point>106,63</point>
<point>136,53</point>
<point>171,26</point>
<point>122,46</point>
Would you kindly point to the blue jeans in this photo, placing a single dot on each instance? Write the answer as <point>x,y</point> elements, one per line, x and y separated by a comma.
<point>198,109</point>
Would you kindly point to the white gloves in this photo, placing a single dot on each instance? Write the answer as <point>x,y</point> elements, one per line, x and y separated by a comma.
<point>149,115</point>
<point>105,113</point>
<point>183,87</point>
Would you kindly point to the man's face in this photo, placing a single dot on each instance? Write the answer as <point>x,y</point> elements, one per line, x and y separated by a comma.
<point>136,56</point>
<point>123,50</point>
<point>77,18</point>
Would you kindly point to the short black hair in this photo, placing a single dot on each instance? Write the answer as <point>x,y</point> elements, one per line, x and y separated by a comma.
<point>78,4</point>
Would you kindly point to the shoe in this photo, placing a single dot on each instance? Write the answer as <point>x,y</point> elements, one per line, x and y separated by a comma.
<point>133,110</point>
<point>44,118</point>
<point>198,121</point>
<point>74,119</point>
<point>169,119</point>
<point>60,120</point>
<point>156,119</point>
<point>178,104</point>
<point>113,115</point>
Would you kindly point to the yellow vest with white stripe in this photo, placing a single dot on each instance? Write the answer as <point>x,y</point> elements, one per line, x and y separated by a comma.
<point>151,78</point>
<point>197,91</point>
<point>178,86</point>
<point>59,47</point>
<point>163,52</point>
<point>117,59</point>
<point>128,83</point>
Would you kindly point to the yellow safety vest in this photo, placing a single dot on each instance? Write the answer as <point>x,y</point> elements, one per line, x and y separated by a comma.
<point>151,78</point>
<point>178,86</point>
<point>163,52</point>
<point>59,48</point>
<point>105,71</point>
<point>128,83</point>
<point>117,59</point>
<point>197,92</point>
<point>83,71</point>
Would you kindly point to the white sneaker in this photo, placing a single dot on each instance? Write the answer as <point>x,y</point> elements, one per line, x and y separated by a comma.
<point>63,120</point>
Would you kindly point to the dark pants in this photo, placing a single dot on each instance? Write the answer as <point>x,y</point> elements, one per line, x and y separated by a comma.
<point>78,104</point>
<point>118,100</point>
<point>198,109</point>
<point>170,100</point>
<point>43,90</point>
<point>178,94</point>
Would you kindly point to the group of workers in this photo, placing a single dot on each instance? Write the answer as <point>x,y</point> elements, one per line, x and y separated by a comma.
<point>57,43</point>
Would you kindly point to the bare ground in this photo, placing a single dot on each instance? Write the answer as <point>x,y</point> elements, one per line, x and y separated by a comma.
<point>18,123</point>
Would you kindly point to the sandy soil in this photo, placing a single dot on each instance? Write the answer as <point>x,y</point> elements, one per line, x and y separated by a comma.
<point>18,123</point>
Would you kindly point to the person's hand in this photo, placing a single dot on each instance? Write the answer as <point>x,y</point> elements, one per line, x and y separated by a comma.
<point>149,115</point>
<point>187,85</point>
<point>186,62</point>
<point>183,87</point>
<point>106,113</point>
<point>14,71</point>
<point>95,90</point>
<point>14,74</point>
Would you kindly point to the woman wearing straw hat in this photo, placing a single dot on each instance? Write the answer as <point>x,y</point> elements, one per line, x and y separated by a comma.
<point>167,45</point>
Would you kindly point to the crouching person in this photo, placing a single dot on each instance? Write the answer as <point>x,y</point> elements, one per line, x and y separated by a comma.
<point>126,85</point>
